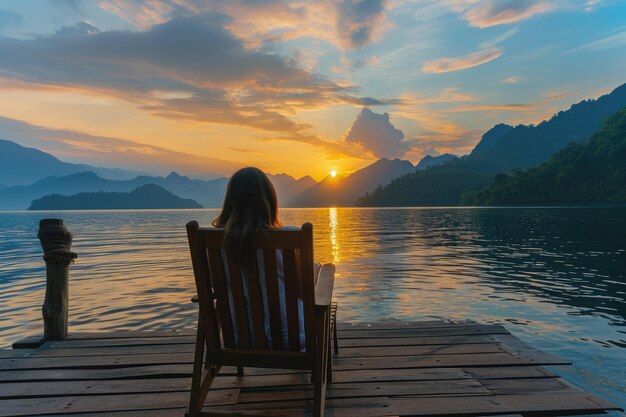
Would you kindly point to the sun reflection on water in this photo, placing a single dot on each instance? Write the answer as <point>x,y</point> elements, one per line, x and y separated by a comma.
<point>333,223</point>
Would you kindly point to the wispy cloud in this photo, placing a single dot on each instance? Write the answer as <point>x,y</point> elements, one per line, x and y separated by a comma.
<point>449,64</point>
<point>514,79</point>
<point>608,41</point>
<point>497,107</point>
<point>498,12</point>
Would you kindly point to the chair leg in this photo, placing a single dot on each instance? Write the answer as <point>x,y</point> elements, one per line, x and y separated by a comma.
<point>329,361</point>
<point>240,371</point>
<point>195,402</point>
<point>321,365</point>
<point>334,325</point>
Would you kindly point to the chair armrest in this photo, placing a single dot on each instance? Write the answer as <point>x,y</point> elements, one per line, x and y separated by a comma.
<point>194,299</point>
<point>325,284</point>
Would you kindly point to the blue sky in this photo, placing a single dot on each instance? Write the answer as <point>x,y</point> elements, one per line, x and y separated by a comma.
<point>186,84</point>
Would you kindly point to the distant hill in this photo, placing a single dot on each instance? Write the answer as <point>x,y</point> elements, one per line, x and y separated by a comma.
<point>344,191</point>
<point>208,193</point>
<point>431,161</point>
<point>592,172</point>
<point>21,166</point>
<point>502,149</point>
<point>148,196</point>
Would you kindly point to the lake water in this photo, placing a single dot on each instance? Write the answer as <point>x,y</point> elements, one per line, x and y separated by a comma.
<point>554,276</point>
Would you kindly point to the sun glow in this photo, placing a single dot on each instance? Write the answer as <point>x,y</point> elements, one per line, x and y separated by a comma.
<point>333,173</point>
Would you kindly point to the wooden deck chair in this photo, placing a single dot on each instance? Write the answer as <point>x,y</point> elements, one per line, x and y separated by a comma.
<point>226,331</point>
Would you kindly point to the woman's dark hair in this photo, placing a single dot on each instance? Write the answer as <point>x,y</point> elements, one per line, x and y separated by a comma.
<point>250,205</point>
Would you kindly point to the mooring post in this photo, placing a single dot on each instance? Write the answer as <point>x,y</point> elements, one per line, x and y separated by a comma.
<point>56,241</point>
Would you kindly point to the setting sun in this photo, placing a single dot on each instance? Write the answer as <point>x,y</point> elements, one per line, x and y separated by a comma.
<point>333,173</point>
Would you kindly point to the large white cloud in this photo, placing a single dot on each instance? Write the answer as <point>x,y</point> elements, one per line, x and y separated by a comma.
<point>375,133</point>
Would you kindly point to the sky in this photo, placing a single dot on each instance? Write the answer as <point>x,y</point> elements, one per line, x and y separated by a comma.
<point>298,87</point>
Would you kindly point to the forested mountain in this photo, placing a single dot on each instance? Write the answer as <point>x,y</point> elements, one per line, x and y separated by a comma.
<point>501,150</point>
<point>21,166</point>
<point>148,196</point>
<point>591,172</point>
<point>344,191</point>
<point>431,161</point>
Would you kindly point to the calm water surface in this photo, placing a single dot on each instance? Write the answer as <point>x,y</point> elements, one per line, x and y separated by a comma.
<point>554,277</point>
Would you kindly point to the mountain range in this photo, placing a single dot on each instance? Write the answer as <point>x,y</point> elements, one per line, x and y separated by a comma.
<point>22,166</point>
<point>502,149</point>
<point>591,172</point>
<point>344,191</point>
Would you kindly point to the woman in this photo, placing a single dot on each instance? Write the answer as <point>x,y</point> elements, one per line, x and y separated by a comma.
<point>251,205</point>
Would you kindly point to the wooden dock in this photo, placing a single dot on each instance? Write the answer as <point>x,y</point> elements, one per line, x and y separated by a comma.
<point>433,368</point>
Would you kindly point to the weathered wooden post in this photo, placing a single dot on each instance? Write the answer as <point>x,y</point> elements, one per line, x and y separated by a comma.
<point>56,241</point>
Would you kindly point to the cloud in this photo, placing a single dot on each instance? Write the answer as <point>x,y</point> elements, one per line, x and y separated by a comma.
<point>358,21</point>
<point>375,133</point>
<point>487,13</point>
<point>498,12</point>
<point>347,24</point>
<point>496,107</point>
<point>104,151</point>
<point>613,40</point>
<point>514,79</point>
<point>80,28</point>
<point>188,68</point>
<point>449,64</point>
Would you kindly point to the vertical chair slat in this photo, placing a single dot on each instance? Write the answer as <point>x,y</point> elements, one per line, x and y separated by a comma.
<point>239,304</point>
<point>273,300</point>
<point>256,303</point>
<point>204,287</point>
<point>292,279</point>
<point>308,288</point>
<point>223,305</point>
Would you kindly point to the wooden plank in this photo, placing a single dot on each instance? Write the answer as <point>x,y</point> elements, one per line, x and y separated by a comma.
<point>126,334</point>
<point>543,404</point>
<point>346,352</point>
<point>155,371</point>
<point>93,387</point>
<point>397,324</point>
<point>139,341</point>
<point>387,351</point>
<point>368,390</point>
<point>445,331</point>
<point>167,412</point>
<point>483,373</point>
<point>16,353</point>
<point>113,361</point>
<point>526,386</point>
<point>435,361</point>
<point>107,351</point>
<point>125,402</point>
<point>417,341</point>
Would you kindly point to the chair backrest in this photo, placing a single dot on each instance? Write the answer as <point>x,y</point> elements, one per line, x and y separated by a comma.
<point>227,295</point>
